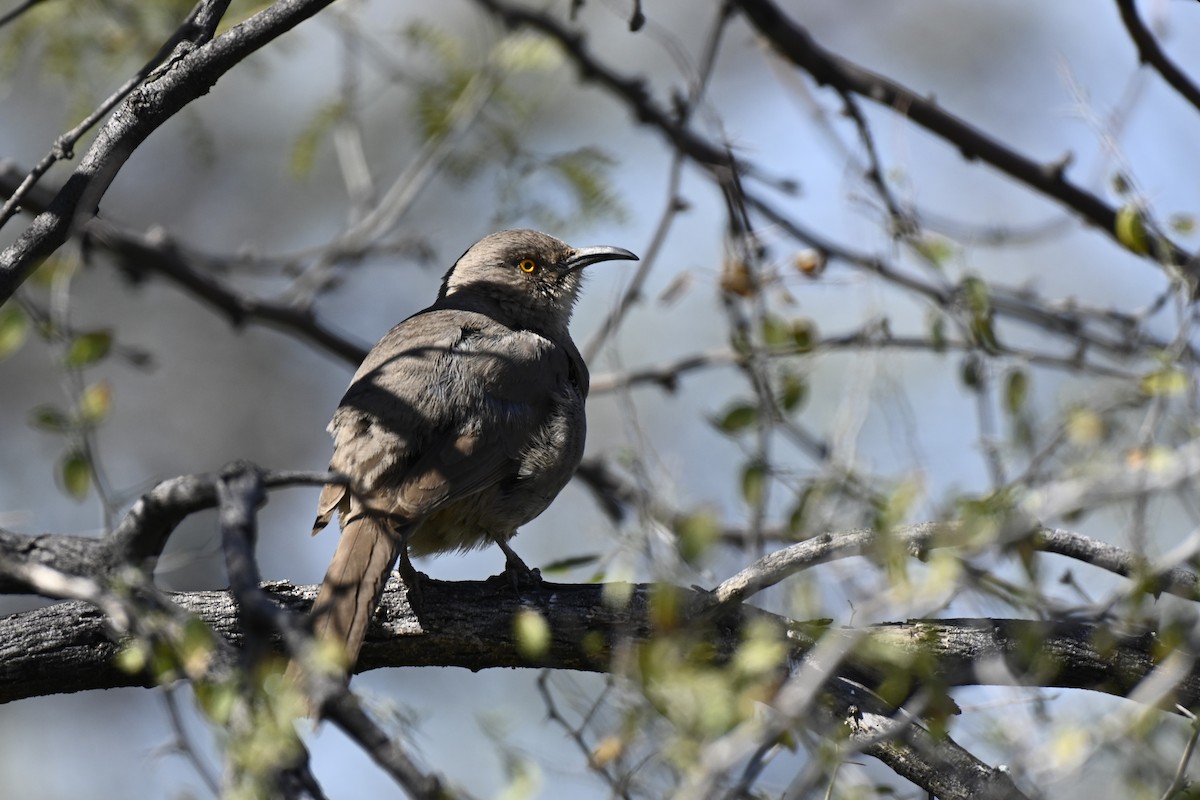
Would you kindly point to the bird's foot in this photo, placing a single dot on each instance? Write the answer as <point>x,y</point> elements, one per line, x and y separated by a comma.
<point>517,572</point>
<point>518,578</point>
<point>522,577</point>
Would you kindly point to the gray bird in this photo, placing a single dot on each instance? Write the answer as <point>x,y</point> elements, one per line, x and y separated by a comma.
<point>462,424</point>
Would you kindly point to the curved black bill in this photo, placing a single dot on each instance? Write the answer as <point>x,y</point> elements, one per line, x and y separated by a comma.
<point>585,256</point>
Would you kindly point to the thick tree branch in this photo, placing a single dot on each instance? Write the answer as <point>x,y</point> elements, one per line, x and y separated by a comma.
<point>64,647</point>
<point>197,28</point>
<point>187,76</point>
<point>938,764</point>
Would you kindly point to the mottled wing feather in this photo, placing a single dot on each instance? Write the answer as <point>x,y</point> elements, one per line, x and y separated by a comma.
<point>419,446</point>
<point>334,497</point>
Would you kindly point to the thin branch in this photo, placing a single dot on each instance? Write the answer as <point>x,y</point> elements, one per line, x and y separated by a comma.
<point>1115,482</point>
<point>794,43</point>
<point>1169,579</point>
<point>720,164</point>
<point>1149,52</point>
<point>1126,338</point>
<point>633,90</point>
<point>347,713</point>
<point>919,538</point>
<point>618,785</point>
<point>781,564</point>
<point>141,255</point>
<point>150,254</point>
<point>668,374</point>
<point>18,11</point>
<point>183,743</point>
<point>675,204</point>
<point>1180,781</point>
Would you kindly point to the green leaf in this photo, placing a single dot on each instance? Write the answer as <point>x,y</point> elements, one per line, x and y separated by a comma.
<point>446,49</point>
<point>936,249</point>
<point>793,391</point>
<point>216,699</point>
<point>532,633</point>
<point>737,418</point>
<point>762,651</point>
<point>776,332</point>
<point>972,372</point>
<point>1183,224</point>
<point>95,402</point>
<point>754,483</point>
<point>1016,391</point>
<point>50,418</point>
<point>88,348</point>
<point>196,648</point>
<point>1085,427</point>
<point>586,173</point>
<point>697,532</point>
<point>1131,229</point>
<point>569,563</point>
<point>977,296</point>
<point>1165,382</point>
<point>983,333</point>
<point>14,327</point>
<point>132,658</point>
<point>804,334</point>
<point>937,331</point>
<point>75,474</point>
<point>526,52</point>
<point>311,136</point>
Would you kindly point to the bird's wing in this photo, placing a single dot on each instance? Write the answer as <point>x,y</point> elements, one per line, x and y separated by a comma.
<point>442,408</point>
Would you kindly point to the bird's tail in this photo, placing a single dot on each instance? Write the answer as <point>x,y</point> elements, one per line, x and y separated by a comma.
<point>353,585</point>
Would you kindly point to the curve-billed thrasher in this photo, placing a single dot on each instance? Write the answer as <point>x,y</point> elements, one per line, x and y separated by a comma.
<point>461,425</point>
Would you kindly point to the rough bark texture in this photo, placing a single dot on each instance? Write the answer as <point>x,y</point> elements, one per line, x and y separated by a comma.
<point>65,647</point>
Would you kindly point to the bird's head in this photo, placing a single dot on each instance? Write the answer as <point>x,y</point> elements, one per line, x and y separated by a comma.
<point>534,279</point>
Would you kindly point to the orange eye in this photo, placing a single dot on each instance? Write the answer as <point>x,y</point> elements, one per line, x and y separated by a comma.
<point>527,265</point>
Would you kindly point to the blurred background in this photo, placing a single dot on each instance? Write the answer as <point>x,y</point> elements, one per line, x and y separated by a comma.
<point>255,175</point>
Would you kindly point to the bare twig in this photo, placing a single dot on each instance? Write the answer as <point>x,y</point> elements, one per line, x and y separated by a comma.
<point>18,11</point>
<point>1181,781</point>
<point>575,733</point>
<point>667,375</point>
<point>1149,52</point>
<point>674,203</point>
